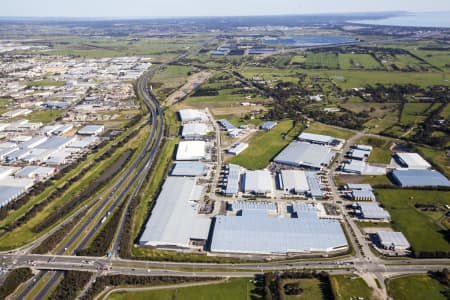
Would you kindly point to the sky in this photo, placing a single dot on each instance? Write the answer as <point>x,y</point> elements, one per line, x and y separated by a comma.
<point>165,8</point>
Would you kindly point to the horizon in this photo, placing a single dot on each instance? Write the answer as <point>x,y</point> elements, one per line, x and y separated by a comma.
<point>117,9</point>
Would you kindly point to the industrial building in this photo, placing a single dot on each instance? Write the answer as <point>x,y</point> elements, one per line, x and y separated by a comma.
<point>358,154</point>
<point>293,181</point>
<point>371,211</point>
<point>226,125</point>
<point>259,230</point>
<point>359,186</point>
<point>361,168</point>
<point>411,161</point>
<point>233,177</point>
<point>92,130</point>
<point>419,178</point>
<point>35,172</point>
<point>301,154</point>
<point>191,150</point>
<point>189,168</point>
<point>258,182</point>
<point>189,115</point>
<point>10,193</point>
<point>195,130</point>
<point>391,240</point>
<point>363,195</point>
<point>174,222</point>
<point>319,139</point>
<point>267,126</point>
<point>238,148</point>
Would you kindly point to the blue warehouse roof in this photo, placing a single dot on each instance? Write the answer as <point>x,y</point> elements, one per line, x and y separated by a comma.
<point>420,177</point>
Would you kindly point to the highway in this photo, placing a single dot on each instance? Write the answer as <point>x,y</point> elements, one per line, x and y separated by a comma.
<point>135,174</point>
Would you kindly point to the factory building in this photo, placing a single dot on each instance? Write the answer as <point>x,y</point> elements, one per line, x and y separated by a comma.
<point>233,177</point>
<point>195,130</point>
<point>361,168</point>
<point>92,130</point>
<point>371,211</point>
<point>191,150</point>
<point>419,178</point>
<point>293,181</point>
<point>301,154</point>
<point>190,115</point>
<point>238,148</point>
<point>319,139</point>
<point>411,161</point>
<point>267,126</point>
<point>257,230</point>
<point>226,125</point>
<point>363,195</point>
<point>391,240</point>
<point>174,222</point>
<point>258,182</point>
<point>189,168</point>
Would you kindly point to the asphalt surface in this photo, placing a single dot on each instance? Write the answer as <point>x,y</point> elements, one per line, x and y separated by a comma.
<point>147,155</point>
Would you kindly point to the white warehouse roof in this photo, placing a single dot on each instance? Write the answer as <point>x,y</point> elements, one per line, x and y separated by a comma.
<point>294,181</point>
<point>191,150</point>
<point>194,129</point>
<point>258,182</point>
<point>174,220</point>
<point>316,138</point>
<point>188,115</point>
<point>390,238</point>
<point>412,160</point>
<point>304,154</point>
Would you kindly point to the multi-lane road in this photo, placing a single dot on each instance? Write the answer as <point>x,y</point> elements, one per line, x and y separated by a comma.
<point>130,180</point>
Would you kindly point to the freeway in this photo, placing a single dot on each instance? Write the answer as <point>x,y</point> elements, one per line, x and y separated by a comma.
<point>123,184</point>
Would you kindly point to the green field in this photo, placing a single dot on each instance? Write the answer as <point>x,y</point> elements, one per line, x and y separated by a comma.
<point>322,60</point>
<point>233,289</point>
<point>349,287</point>
<point>312,289</point>
<point>45,83</point>
<point>4,103</point>
<point>44,116</point>
<point>424,230</point>
<point>340,133</point>
<point>438,158</point>
<point>380,153</point>
<point>169,79</point>
<point>415,287</point>
<point>414,113</point>
<point>355,78</point>
<point>358,61</point>
<point>266,145</point>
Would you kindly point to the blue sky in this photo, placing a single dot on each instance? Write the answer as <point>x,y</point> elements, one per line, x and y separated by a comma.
<point>160,8</point>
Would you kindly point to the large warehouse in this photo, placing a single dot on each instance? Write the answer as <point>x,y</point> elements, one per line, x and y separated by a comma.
<point>258,182</point>
<point>194,130</point>
<point>189,115</point>
<point>258,231</point>
<point>191,150</point>
<point>293,181</point>
<point>392,240</point>
<point>189,168</point>
<point>420,178</point>
<point>411,160</point>
<point>372,211</point>
<point>301,154</point>
<point>317,139</point>
<point>174,222</point>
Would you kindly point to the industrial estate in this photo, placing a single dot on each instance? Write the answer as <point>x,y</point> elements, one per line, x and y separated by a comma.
<point>272,158</point>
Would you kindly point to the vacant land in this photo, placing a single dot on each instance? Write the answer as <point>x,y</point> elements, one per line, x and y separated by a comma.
<point>311,289</point>
<point>169,79</point>
<point>44,116</point>
<point>265,145</point>
<point>358,61</point>
<point>45,83</point>
<point>414,113</point>
<point>438,158</point>
<point>320,128</point>
<point>349,287</point>
<point>423,229</point>
<point>322,60</point>
<point>415,287</point>
<point>232,289</point>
